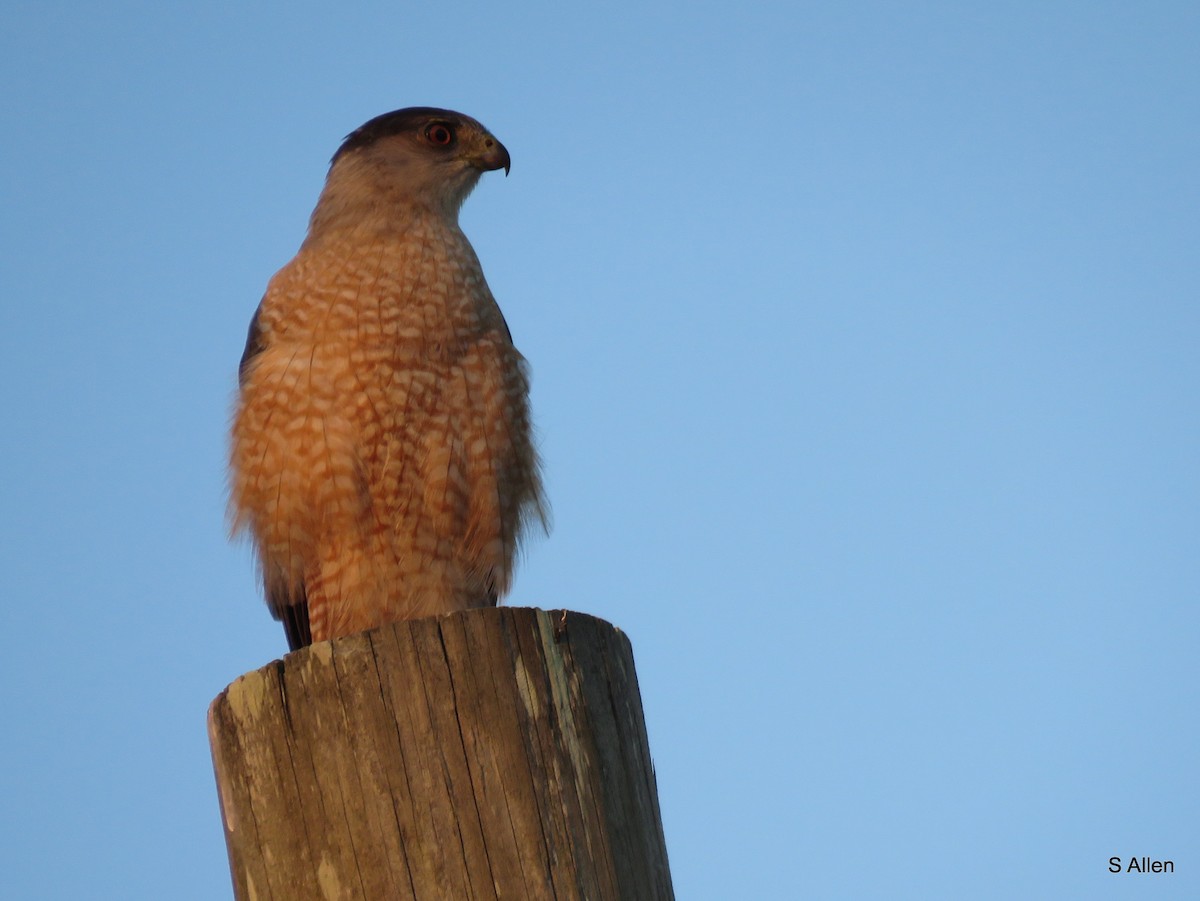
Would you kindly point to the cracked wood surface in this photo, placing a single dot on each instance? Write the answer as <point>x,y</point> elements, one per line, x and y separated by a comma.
<point>498,753</point>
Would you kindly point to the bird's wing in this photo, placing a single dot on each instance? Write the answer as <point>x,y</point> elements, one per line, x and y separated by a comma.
<point>255,344</point>
<point>290,608</point>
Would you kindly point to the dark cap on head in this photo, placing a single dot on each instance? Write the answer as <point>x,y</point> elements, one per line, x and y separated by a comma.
<point>397,122</point>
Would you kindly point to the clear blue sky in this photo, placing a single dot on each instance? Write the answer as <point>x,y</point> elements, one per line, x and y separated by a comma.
<point>866,345</point>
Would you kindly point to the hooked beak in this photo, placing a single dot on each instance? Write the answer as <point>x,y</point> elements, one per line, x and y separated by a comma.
<point>494,156</point>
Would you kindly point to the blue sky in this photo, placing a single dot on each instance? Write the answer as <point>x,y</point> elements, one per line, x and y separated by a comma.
<point>864,340</point>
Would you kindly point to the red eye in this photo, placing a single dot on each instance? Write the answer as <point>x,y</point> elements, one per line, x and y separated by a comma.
<point>440,134</point>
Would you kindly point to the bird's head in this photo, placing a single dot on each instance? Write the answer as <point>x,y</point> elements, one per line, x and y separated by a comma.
<point>420,156</point>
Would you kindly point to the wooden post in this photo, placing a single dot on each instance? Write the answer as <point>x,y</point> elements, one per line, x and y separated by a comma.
<point>496,753</point>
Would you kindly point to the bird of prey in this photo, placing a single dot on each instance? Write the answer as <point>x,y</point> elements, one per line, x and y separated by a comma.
<point>382,458</point>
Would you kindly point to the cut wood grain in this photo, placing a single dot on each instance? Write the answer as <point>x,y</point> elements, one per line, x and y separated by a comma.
<point>498,753</point>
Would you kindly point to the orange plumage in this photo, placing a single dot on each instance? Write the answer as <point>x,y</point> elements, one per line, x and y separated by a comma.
<point>382,457</point>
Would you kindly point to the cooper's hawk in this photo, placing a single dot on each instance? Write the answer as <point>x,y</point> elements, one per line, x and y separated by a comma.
<point>382,459</point>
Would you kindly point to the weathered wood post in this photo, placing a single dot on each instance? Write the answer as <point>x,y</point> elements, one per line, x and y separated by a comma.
<point>497,753</point>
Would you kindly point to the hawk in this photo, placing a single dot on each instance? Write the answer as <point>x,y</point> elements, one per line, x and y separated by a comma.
<point>382,458</point>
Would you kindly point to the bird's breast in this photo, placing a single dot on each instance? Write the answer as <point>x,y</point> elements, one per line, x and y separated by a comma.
<point>416,295</point>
